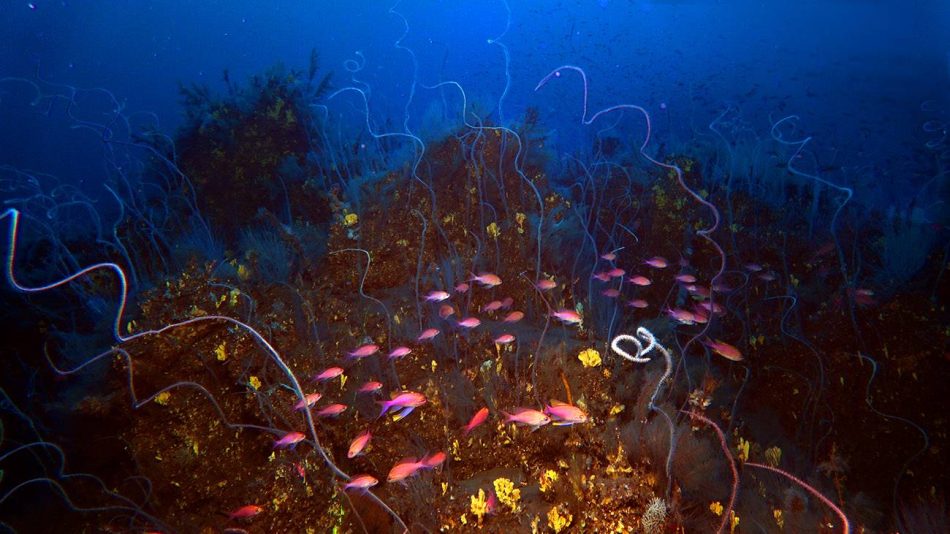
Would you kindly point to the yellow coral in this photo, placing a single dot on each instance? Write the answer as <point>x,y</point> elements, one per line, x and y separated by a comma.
<point>520,219</point>
<point>507,494</point>
<point>558,522</point>
<point>589,357</point>
<point>162,398</point>
<point>220,353</point>
<point>743,450</point>
<point>254,382</point>
<point>350,219</point>
<point>716,507</point>
<point>493,230</point>
<point>779,520</point>
<point>547,480</point>
<point>479,506</point>
<point>773,456</point>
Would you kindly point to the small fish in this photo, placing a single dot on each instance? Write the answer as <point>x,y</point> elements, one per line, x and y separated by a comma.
<point>446,310</point>
<point>681,316</point>
<point>399,352</point>
<point>753,267</point>
<point>767,276</point>
<point>563,414</point>
<point>513,317</point>
<point>567,316</point>
<point>685,278</point>
<point>370,387</point>
<point>616,272</point>
<point>527,417</point>
<point>480,417</point>
<point>610,256</point>
<point>723,349</point>
<point>545,284</point>
<point>603,276</point>
<point>714,307</point>
<point>694,289</point>
<point>290,439</point>
<point>332,410</point>
<point>507,302</point>
<point>611,293</point>
<point>504,339</point>
<point>864,297</point>
<point>308,400</point>
<point>700,315</point>
<point>433,460</point>
<point>363,351</point>
<point>437,296</point>
<point>462,288</point>
<point>639,304</point>
<point>638,280</point>
<point>494,305</point>
<point>301,472</point>
<point>657,262</point>
<point>328,374</point>
<point>246,512</point>
<point>358,444</point>
<point>360,483</point>
<point>486,279</point>
<point>469,322</point>
<point>407,400</point>
<point>427,334</point>
<point>404,469</point>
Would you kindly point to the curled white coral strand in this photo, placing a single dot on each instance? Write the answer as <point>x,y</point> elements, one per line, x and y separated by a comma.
<point>615,346</point>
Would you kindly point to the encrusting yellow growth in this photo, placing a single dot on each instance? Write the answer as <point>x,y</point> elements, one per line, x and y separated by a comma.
<point>493,230</point>
<point>558,522</point>
<point>350,219</point>
<point>716,507</point>
<point>548,478</point>
<point>743,450</point>
<point>507,494</point>
<point>162,398</point>
<point>254,382</point>
<point>589,357</point>
<point>220,353</point>
<point>479,506</point>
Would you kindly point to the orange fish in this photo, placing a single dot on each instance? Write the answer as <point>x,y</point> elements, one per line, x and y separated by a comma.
<point>358,444</point>
<point>513,317</point>
<point>476,420</point>
<point>486,279</point>
<point>527,417</point>
<point>723,349</point>
<point>404,469</point>
<point>309,400</point>
<point>361,483</point>
<point>246,512</point>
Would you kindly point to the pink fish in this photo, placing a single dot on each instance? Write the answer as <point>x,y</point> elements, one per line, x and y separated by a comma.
<point>404,469</point>
<point>494,305</point>
<point>461,287</point>
<point>486,279</point>
<point>332,410</point>
<point>434,460</point>
<point>681,316</point>
<point>603,277</point>
<point>358,444</point>
<point>290,439</point>
<point>657,262</point>
<point>545,284</point>
<point>864,297</point>
<point>694,289</point>
<point>308,400</point>
<point>527,417</point>
<point>504,339</point>
<point>507,302</point>
<point>328,374</point>
<point>301,472</point>
<point>399,352</point>
<point>638,280</point>
<point>753,267</point>
<point>767,276</point>
<point>246,512</point>
<point>360,483</point>
<point>427,334</point>
<point>723,349</point>
<point>445,311</point>
<point>513,317</point>
<point>567,316</point>
<point>480,417</point>
<point>712,306</point>
<point>611,293</point>
<point>616,272</point>
<point>639,304</point>
<point>563,414</point>
<point>364,351</point>
<point>609,256</point>
<point>685,278</point>
<point>370,387</point>
<point>437,296</point>
<point>700,315</point>
<point>407,400</point>
<point>469,322</point>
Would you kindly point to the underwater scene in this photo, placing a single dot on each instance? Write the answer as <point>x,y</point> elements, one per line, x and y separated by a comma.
<point>387,266</point>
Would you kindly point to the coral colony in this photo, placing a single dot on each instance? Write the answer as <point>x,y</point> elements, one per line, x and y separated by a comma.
<point>277,328</point>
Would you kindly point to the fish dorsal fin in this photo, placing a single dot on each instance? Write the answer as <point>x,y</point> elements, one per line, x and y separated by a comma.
<point>555,402</point>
